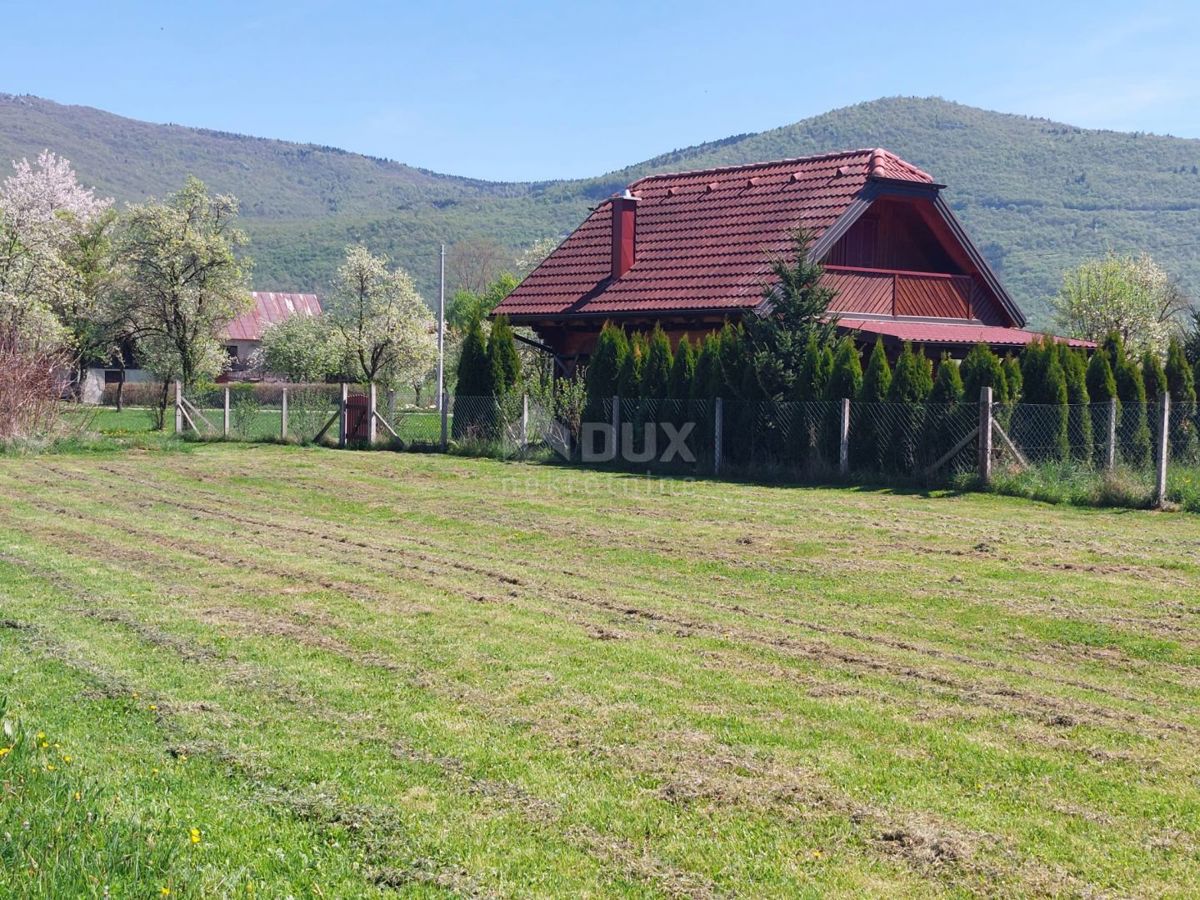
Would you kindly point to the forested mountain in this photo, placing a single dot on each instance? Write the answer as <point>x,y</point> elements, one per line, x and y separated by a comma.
<point>1036,195</point>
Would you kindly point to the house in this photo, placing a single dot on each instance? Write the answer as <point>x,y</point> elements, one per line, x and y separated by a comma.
<point>692,250</point>
<point>244,334</point>
<point>240,338</point>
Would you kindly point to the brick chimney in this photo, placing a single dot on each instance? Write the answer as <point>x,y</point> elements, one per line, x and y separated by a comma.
<point>624,228</point>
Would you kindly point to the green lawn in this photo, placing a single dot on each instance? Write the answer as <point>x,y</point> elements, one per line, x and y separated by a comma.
<point>358,674</point>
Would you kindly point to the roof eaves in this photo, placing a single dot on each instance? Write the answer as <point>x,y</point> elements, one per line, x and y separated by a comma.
<point>977,258</point>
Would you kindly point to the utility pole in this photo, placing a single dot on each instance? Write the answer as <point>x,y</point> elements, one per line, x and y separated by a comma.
<point>441,381</point>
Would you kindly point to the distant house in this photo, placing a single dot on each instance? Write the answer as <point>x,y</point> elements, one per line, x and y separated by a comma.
<point>244,334</point>
<point>241,338</point>
<point>692,250</point>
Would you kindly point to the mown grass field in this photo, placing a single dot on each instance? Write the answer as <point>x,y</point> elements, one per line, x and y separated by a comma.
<point>260,670</point>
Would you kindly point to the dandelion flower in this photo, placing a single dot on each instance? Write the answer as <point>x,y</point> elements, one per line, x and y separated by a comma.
<point>66,758</point>
<point>816,854</point>
<point>195,835</point>
<point>4,751</point>
<point>41,735</point>
<point>78,796</point>
<point>49,767</point>
<point>44,745</point>
<point>152,707</point>
<point>165,892</point>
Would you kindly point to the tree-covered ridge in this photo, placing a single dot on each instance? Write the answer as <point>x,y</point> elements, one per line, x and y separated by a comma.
<point>1037,196</point>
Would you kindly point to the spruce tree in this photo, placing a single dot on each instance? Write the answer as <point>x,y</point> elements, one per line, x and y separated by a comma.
<point>604,367</point>
<point>868,444</point>
<point>505,362</point>
<point>846,378</point>
<point>1102,390</point>
<point>683,370</point>
<point>656,374</point>
<point>797,303</point>
<point>1074,366</point>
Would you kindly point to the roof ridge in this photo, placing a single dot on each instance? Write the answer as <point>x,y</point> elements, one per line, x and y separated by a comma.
<point>770,162</point>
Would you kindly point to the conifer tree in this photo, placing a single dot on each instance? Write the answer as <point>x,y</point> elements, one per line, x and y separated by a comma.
<point>1014,385</point>
<point>683,370</point>
<point>505,364</point>
<point>947,416</point>
<point>732,362</point>
<point>947,384</point>
<point>1102,390</point>
<point>1056,418</point>
<point>708,369</point>
<point>1035,361</point>
<point>473,411</point>
<point>1079,419</point>
<point>981,368</point>
<point>846,377</point>
<point>911,385</point>
<point>797,302</point>
<point>656,374</point>
<point>604,367</point>
<point>868,445</point>
<point>629,381</point>
<point>1182,388</point>
<point>1153,376</point>
<point>1134,422</point>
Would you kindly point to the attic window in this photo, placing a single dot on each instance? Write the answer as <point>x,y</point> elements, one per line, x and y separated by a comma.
<point>754,181</point>
<point>843,170</point>
<point>671,192</point>
<point>710,187</point>
<point>794,178</point>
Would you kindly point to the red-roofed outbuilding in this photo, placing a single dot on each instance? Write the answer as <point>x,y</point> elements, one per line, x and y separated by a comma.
<point>693,249</point>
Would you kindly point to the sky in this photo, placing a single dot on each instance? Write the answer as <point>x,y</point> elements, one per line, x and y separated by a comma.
<point>529,91</point>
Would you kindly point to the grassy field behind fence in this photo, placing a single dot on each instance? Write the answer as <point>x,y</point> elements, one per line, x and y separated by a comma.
<point>261,670</point>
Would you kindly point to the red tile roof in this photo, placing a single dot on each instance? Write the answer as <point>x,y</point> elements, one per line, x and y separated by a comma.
<point>703,238</point>
<point>270,309</point>
<point>926,332</point>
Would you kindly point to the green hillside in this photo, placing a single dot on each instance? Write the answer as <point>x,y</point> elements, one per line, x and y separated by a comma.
<point>1037,196</point>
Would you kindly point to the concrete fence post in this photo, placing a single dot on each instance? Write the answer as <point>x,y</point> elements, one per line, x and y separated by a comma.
<point>1110,446</point>
<point>718,433</point>
<point>283,414</point>
<point>445,401</point>
<point>1164,435</point>
<point>985,435</point>
<point>371,427</point>
<point>616,421</point>
<point>225,413</point>
<point>524,420</point>
<point>178,407</point>
<point>343,413</point>
<point>844,439</point>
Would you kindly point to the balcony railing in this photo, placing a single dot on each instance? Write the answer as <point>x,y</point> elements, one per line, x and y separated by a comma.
<point>895,292</point>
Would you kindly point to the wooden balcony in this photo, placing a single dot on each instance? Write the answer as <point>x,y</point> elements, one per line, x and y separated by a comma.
<point>893,292</point>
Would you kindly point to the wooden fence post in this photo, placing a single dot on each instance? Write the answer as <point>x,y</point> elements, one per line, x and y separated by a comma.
<point>524,420</point>
<point>844,439</point>
<point>283,414</point>
<point>718,428</point>
<point>342,416</point>
<point>371,397</point>
<point>445,398</point>
<point>1164,434</point>
<point>225,414</point>
<point>1110,447</point>
<point>985,435</point>
<point>178,407</point>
